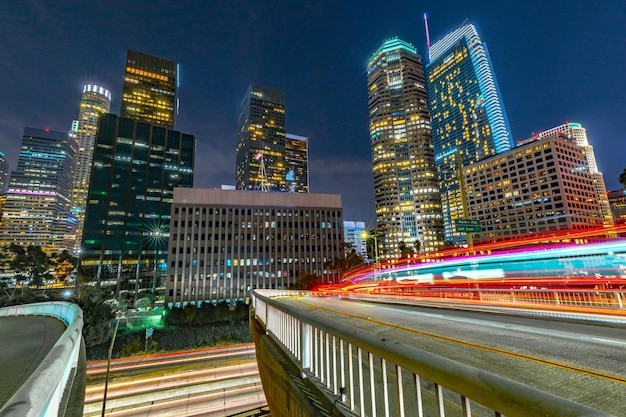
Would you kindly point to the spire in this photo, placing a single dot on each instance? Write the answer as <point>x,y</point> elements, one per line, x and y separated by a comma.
<point>427,33</point>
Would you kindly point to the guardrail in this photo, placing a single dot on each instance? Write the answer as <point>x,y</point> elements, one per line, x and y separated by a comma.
<point>42,394</point>
<point>365,374</point>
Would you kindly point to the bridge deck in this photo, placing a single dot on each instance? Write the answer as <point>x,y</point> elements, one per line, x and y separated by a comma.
<point>24,343</point>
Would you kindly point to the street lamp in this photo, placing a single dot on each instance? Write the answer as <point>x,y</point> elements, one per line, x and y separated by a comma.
<point>365,235</point>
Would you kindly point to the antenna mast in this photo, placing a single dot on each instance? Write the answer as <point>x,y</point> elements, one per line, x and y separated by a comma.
<point>427,34</point>
<point>261,175</point>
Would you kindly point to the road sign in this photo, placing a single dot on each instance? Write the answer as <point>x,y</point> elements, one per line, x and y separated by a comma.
<point>149,332</point>
<point>468,225</point>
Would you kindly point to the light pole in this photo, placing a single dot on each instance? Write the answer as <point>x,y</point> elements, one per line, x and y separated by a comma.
<point>366,234</point>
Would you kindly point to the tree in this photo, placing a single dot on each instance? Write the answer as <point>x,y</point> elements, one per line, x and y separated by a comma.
<point>417,245</point>
<point>622,178</point>
<point>305,280</point>
<point>405,249</point>
<point>142,303</point>
<point>97,315</point>
<point>341,265</point>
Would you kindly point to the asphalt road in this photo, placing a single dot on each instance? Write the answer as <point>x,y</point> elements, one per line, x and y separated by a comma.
<point>581,362</point>
<point>24,343</point>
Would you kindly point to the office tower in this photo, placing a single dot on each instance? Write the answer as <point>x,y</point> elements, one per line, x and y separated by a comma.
<point>37,209</point>
<point>136,166</point>
<point>4,173</point>
<point>353,235</point>
<point>149,93</point>
<point>95,101</point>
<point>224,243</point>
<point>578,134</point>
<point>408,207</point>
<point>468,118</point>
<point>617,201</point>
<point>260,163</point>
<point>297,163</point>
<point>543,184</point>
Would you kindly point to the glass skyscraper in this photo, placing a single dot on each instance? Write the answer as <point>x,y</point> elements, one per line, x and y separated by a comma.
<point>149,92</point>
<point>297,163</point>
<point>261,151</point>
<point>408,208</point>
<point>468,118</point>
<point>136,167</point>
<point>94,102</point>
<point>37,209</point>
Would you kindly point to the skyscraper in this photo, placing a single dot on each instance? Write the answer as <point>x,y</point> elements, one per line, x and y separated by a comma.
<point>149,93</point>
<point>297,163</point>
<point>94,102</point>
<point>4,173</point>
<point>136,166</point>
<point>468,118</point>
<point>261,148</point>
<point>405,183</point>
<point>37,209</point>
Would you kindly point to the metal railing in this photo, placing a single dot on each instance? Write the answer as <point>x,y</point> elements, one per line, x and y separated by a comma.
<point>366,375</point>
<point>42,394</point>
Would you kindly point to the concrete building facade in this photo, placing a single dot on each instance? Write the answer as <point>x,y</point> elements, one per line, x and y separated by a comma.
<point>224,243</point>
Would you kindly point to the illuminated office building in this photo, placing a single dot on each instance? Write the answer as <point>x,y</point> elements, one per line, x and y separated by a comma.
<point>260,160</point>
<point>136,166</point>
<point>149,92</point>
<point>408,207</point>
<point>37,208</point>
<point>578,134</point>
<point>4,173</point>
<point>95,101</point>
<point>353,235</point>
<point>297,163</point>
<point>617,201</point>
<point>468,117</point>
<point>225,243</point>
<point>543,184</point>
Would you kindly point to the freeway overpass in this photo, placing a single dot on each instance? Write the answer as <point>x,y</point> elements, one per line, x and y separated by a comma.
<point>42,360</point>
<point>324,355</point>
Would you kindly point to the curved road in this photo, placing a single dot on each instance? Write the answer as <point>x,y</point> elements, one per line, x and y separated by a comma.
<point>582,362</point>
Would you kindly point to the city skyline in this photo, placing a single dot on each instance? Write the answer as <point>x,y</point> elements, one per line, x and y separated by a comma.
<point>317,53</point>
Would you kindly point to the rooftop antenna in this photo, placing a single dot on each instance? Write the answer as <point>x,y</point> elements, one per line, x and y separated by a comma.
<point>427,33</point>
<point>262,174</point>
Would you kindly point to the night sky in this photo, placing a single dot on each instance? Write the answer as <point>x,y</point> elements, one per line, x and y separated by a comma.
<point>555,61</point>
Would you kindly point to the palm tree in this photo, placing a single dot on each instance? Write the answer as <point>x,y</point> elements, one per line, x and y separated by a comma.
<point>622,178</point>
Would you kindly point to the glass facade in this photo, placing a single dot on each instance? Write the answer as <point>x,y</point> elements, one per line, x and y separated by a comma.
<point>136,166</point>
<point>37,208</point>
<point>4,173</point>
<point>94,102</point>
<point>149,92</point>
<point>297,163</point>
<point>408,207</point>
<point>468,118</point>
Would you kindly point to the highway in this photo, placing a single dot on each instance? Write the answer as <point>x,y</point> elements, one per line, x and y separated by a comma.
<point>208,382</point>
<point>578,361</point>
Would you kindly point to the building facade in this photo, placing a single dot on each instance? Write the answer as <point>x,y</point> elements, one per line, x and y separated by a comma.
<point>353,235</point>
<point>136,167</point>
<point>468,117</point>
<point>224,243</point>
<point>150,87</point>
<point>37,208</point>
<point>95,101</point>
<point>617,201</point>
<point>578,134</point>
<point>544,184</point>
<point>297,163</point>
<point>408,206</point>
<point>260,160</point>
<point>4,173</point>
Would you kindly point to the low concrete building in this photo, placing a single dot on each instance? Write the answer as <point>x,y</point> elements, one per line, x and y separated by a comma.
<point>224,243</point>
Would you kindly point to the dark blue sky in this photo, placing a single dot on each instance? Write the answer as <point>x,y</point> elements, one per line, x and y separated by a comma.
<point>555,61</point>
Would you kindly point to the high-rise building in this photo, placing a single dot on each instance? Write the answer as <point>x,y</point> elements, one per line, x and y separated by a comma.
<point>468,117</point>
<point>261,148</point>
<point>4,173</point>
<point>578,134</point>
<point>408,207</point>
<point>224,243</point>
<point>37,208</point>
<point>136,166</point>
<point>95,101</point>
<point>542,184</point>
<point>297,163</point>
<point>353,235</point>
<point>617,201</point>
<point>149,93</point>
